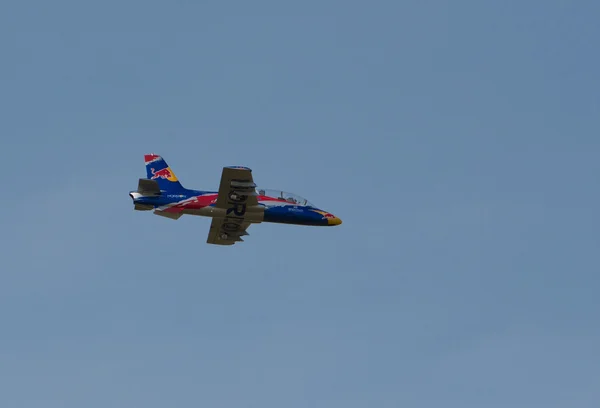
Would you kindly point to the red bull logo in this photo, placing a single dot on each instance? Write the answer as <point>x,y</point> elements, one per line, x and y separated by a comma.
<point>165,173</point>
<point>326,215</point>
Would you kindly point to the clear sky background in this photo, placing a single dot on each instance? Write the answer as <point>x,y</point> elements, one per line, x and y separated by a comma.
<point>457,140</point>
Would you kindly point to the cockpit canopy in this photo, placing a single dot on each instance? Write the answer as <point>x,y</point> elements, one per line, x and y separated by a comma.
<point>285,196</point>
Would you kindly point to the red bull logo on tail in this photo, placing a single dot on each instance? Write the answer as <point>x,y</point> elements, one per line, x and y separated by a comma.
<point>165,173</point>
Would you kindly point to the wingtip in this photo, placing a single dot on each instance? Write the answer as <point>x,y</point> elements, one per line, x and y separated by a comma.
<point>239,168</point>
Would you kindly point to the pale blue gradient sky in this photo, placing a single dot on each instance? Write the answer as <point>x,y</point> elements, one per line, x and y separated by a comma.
<point>458,141</point>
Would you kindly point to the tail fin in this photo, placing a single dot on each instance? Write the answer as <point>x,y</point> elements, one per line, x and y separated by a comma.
<point>158,169</point>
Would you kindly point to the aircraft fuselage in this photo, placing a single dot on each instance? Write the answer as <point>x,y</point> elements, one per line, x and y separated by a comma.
<point>203,203</point>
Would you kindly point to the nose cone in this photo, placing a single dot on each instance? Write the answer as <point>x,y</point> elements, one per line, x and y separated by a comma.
<point>334,221</point>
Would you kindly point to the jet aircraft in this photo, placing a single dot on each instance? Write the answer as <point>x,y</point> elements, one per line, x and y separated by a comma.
<point>237,204</point>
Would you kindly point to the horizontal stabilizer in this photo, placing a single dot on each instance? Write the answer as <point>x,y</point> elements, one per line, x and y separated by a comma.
<point>142,207</point>
<point>171,215</point>
<point>148,187</point>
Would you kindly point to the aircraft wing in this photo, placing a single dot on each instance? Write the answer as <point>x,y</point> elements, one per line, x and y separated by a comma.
<point>220,236</point>
<point>237,194</point>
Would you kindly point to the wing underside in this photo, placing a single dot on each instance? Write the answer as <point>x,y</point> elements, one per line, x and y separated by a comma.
<point>237,197</point>
<point>224,233</point>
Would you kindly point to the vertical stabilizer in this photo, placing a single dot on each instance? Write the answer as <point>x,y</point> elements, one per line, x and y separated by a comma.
<point>157,169</point>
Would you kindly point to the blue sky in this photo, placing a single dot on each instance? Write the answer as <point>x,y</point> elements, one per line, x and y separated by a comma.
<point>458,141</point>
